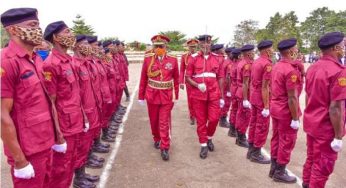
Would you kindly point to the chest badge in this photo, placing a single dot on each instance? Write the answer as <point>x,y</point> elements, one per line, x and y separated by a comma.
<point>168,66</point>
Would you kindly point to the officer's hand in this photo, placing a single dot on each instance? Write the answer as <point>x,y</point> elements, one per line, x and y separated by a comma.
<point>222,103</point>
<point>202,87</point>
<point>228,94</point>
<point>295,124</point>
<point>87,126</point>
<point>336,145</point>
<point>141,102</point>
<point>25,173</point>
<point>182,86</point>
<point>246,104</point>
<point>265,112</point>
<point>61,148</point>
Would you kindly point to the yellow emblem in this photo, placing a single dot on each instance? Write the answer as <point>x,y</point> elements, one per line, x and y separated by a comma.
<point>269,68</point>
<point>47,76</point>
<point>247,67</point>
<point>294,78</point>
<point>342,81</point>
<point>2,72</point>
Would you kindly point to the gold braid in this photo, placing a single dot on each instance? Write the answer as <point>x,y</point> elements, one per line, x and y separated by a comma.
<point>150,73</point>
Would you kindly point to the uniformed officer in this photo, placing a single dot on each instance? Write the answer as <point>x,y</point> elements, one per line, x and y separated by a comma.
<point>27,129</point>
<point>259,99</point>
<point>284,109</point>
<point>206,77</point>
<point>159,86</point>
<point>62,84</point>
<point>121,49</point>
<point>242,94</point>
<point>192,45</point>
<point>324,115</point>
<point>232,72</point>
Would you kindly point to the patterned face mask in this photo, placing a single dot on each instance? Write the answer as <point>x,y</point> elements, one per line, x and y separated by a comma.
<point>84,49</point>
<point>31,36</point>
<point>67,41</point>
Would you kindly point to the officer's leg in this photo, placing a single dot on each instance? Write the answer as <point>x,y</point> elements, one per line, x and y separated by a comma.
<point>153,111</point>
<point>309,159</point>
<point>274,146</point>
<point>252,130</point>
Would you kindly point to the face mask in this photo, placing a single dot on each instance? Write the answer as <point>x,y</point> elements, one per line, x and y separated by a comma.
<point>43,53</point>
<point>293,54</point>
<point>251,55</point>
<point>67,41</point>
<point>270,53</point>
<point>340,52</point>
<point>31,36</point>
<point>84,49</point>
<point>160,51</point>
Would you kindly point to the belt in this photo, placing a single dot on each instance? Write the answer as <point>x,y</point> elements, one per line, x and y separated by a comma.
<point>205,74</point>
<point>160,84</point>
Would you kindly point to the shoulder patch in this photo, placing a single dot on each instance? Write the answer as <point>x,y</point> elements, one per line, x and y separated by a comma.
<point>247,67</point>
<point>47,76</point>
<point>170,55</point>
<point>269,68</point>
<point>2,72</point>
<point>342,81</point>
<point>294,78</point>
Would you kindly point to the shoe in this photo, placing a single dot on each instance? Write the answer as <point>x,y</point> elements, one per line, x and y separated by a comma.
<point>281,175</point>
<point>210,145</point>
<point>304,185</point>
<point>223,122</point>
<point>204,152</point>
<point>232,131</point>
<point>165,155</point>
<point>100,149</point>
<point>157,145</point>
<point>272,168</point>
<point>96,158</point>
<point>80,182</point>
<point>241,140</point>
<point>91,178</point>
<point>106,138</point>
<point>249,151</point>
<point>192,121</point>
<point>257,157</point>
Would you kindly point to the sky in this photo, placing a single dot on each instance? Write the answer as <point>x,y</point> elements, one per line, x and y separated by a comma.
<point>139,20</point>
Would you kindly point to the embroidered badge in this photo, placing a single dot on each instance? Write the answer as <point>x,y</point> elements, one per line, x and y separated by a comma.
<point>169,66</point>
<point>68,72</point>
<point>294,78</point>
<point>2,72</point>
<point>247,67</point>
<point>47,76</point>
<point>342,81</point>
<point>269,68</point>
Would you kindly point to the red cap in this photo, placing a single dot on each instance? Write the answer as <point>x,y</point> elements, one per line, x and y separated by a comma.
<point>160,39</point>
<point>192,42</point>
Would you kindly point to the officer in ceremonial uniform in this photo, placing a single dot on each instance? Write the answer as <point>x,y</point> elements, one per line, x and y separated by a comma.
<point>159,86</point>
<point>324,115</point>
<point>206,77</point>
<point>192,45</point>
<point>27,126</point>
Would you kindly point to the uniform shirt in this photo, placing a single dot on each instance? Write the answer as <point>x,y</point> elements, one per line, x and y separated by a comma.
<point>325,82</point>
<point>21,79</point>
<point>168,68</point>
<point>243,70</point>
<point>232,71</point>
<point>124,65</point>
<point>224,66</point>
<point>119,72</point>
<point>104,94</point>
<point>285,77</point>
<point>62,81</point>
<point>185,58</point>
<point>199,65</point>
<point>260,71</point>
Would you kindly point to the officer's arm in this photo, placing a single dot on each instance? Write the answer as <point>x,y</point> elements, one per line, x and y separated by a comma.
<point>335,114</point>
<point>221,87</point>
<point>293,103</point>
<point>265,93</point>
<point>59,136</point>
<point>246,87</point>
<point>9,134</point>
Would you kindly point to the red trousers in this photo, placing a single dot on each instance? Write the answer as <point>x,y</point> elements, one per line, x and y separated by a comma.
<point>42,163</point>
<point>259,127</point>
<point>160,122</point>
<point>319,162</point>
<point>189,100</point>
<point>243,117</point>
<point>107,111</point>
<point>225,108</point>
<point>283,141</point>
<point>83,147</point>
<point>233,111</point>
<point>207,116</point>
<point>63,164</point>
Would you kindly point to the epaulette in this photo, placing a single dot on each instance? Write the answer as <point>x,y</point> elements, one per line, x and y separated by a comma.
<point>170,55</point>
<point>195,54</point>
<point>149,54</point>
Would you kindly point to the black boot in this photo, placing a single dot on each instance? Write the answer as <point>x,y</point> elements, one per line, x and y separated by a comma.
<point>223,122</point>
<point>96,158</point>
<point>157,145</point>
<point>89,177</point>
<point>80,182</point>
<point>280,175</point>
<point>92,163</point>
<point>210,145</point>
<point>232,132</point>
<point>165,155</point>
<point>304,185</point>
<point>241,140</point>
<point>272,168</point>
<point>249,151</point>
<point>204,152</point>
<point>257,156</point>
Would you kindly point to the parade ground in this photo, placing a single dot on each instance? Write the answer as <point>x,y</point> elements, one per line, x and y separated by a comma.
<point>133,162</point>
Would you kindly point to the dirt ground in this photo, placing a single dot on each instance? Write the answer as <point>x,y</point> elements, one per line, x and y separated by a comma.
<point>134,162</point>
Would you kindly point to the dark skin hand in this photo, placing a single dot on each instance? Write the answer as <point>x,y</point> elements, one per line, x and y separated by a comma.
<point>293,103</point>
<point>265,93</point>
<point>9,134</point>
<point>59,136</point>
<point>246,87</point>
<point>335,114</point>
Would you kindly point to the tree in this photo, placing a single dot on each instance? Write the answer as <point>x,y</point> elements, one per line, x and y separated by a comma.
<point>80,27</point>
<point>245,33</point>
<point>4,37</point>
<point>177,40</point>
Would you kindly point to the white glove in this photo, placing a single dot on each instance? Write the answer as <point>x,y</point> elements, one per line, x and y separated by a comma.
<point>246,104</point>
<point>141,102</point>
<point>202,87</point>
<point>61,148</point>
<point>222,103</point>
<point>228,94</point>
<point>295,124</point>
<point>25,173</point>
<point>336,145</point>
<point>87,126</point>
<point>265,112</point>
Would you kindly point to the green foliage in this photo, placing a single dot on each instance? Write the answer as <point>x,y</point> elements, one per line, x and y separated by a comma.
<point>80,27</point>
<point>245,33</point>
<point>4,37</point>
<point>177,40</point>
